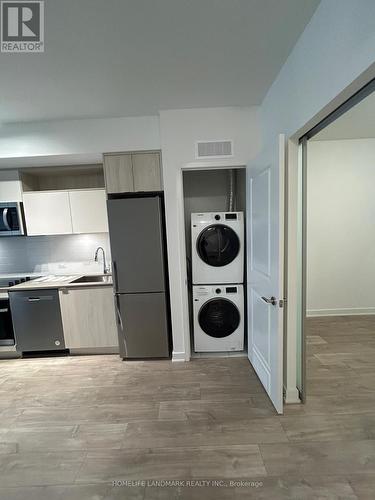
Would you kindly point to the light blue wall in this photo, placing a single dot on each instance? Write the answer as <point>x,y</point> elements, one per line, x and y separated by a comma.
<point>336,47</point>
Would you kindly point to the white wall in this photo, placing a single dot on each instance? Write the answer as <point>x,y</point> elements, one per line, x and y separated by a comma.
<point>333,58</point>
<point>78,137</point>
<point>340,227</point>
<point>180,129</point>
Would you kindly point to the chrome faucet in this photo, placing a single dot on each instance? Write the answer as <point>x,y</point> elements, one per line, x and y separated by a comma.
<point>105,268</point>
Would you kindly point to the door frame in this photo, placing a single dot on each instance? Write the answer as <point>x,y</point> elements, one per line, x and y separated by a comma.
<point>340,110</point>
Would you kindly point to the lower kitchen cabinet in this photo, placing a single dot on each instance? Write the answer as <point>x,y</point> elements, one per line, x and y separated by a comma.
<point>89,320</point>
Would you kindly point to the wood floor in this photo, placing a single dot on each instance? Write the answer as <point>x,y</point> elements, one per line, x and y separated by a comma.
<point>71,426</point>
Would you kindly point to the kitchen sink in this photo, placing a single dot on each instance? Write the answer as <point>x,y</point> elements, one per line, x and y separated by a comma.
<point>94,279</point>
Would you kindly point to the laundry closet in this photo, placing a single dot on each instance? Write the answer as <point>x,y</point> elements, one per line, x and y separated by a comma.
<point>215,235</point>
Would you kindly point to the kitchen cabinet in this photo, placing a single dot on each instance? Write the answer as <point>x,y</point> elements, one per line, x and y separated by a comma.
<point>10,186</point>
<point>47,213</point>
<point>65,212</point>
<point>89,320</point>
<point>89,211</point>
<point>136,172</point>
<point>146,172</point>
<point>118,173</point>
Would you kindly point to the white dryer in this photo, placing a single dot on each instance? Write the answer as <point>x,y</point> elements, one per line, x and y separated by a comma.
<point>218,318</point>
<point>217,247</point>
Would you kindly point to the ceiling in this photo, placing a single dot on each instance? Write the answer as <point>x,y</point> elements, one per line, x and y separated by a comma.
<point>357,123</point>
<point>107,58</point>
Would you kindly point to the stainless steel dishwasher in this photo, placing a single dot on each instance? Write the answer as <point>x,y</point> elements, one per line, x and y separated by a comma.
<point>37,320</point>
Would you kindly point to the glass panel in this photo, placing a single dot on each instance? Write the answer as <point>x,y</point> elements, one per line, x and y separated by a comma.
<point>219,318</point>
<point>218,245</point>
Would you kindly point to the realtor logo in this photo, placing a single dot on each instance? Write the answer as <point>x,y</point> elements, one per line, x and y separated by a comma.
<point>22,26</point>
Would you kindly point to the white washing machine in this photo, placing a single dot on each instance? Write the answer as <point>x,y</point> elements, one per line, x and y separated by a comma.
<point>217,240</point>
<point>218,318</point>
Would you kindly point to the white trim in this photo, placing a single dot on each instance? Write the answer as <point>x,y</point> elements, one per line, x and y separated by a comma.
<point>291,396</point>
<point>356,311</point>
<point>179,356</point>
<point>291,277</point>
<point>226,354</point>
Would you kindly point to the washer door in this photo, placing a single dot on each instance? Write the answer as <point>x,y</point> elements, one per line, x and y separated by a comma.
<point>218,245</point>
<point>219,318</point>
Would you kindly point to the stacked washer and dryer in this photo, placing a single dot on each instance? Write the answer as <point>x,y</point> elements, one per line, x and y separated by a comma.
<point>218,275</point>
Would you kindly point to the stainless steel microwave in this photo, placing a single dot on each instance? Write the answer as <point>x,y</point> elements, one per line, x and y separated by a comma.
<point>11,219</point>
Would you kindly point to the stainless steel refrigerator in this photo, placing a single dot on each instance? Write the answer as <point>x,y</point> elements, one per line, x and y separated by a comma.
<point>139,269</point>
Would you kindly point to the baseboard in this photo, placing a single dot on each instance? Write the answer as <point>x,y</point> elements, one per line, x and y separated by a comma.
<point>291,395</point>
<point>225,354</point>
<point>7,352</point>
<point>93,350</point>
<point>179,356</point>
<point>341,312</point>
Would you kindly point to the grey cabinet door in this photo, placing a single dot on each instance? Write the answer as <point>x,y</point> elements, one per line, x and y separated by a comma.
<point>147,172</point>
<point>118,172</point>
<point>143,330</point>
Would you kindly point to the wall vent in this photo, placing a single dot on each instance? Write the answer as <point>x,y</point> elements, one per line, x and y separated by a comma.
<point>214,149</point>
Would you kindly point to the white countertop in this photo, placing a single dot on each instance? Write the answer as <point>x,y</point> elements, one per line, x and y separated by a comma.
<point>55,281</point>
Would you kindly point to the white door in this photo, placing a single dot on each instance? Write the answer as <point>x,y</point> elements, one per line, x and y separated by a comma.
<point>265,269</point>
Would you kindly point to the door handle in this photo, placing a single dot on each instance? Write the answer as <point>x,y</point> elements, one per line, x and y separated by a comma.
<point>5,219</point>
<point>115,277</point>
<point>119,318</point>
<point>272,300</point>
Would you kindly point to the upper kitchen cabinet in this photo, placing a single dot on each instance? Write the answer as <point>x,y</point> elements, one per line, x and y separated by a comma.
<point>64,200</point>
<point>118,173</point>
<point>10,186</point>
<point>146,172</point>
<point>47,213</point>
<point>135,172</point>
<point>89,211</point>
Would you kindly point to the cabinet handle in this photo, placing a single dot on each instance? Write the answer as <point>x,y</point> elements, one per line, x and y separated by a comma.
<point>4,310</point>
<point>5,219</point>
<point>33,299</point>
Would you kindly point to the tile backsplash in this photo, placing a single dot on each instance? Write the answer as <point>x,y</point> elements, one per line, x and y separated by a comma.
<point>53,254</point>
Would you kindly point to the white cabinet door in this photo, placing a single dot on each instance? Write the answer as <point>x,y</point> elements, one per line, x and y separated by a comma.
<point>265,269</point>
<point>89,211</point>
<point>47,213</point>
<point>10,186</point>
<point>88,316</point>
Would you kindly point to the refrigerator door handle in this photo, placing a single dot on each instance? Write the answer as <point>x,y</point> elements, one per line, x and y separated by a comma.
<point>115,277</point>
<point>119,318</point>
